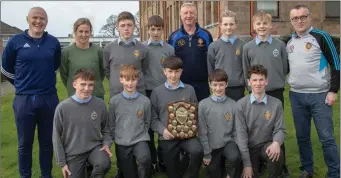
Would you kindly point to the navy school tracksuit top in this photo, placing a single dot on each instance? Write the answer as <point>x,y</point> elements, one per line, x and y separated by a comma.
<point>30,63</point>
<point>192,49</point>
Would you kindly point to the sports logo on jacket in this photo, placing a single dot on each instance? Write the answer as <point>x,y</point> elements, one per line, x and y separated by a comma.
<point>308,46</point>
<point>136,53</point>
<point>27,45</point>
<point>200,42</point>
<point>290,49</point>
<point>237,52</point>
<point>93,115</point>
<point>181,42</point>
<point>227,116</point>
<point>275,52</point>
<point>139,113</point>
<point>267,115</point>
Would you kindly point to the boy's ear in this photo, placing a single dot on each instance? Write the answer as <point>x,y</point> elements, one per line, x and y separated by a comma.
<point>121,80</point>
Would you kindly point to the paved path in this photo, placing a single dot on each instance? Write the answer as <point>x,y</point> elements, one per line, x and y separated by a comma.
<point>6,88</point>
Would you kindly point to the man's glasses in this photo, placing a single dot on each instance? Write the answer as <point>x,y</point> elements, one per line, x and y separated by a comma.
<point>303,18</point>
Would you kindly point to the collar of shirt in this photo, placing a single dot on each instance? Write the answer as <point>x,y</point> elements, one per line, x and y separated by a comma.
<point>150,42</point>
<point>303,34</point>
<point>232,39</point>
<point>219,98</point>
<point>254,100</point>
<point>80,100</point>
<point>268,40</point>
<point>169,86</point>
<point>127,96</point>
<point>119,41</point>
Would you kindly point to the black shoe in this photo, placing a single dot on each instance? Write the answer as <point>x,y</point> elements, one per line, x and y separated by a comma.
<point>305,174</point>
<point>285,172</point>
<point>155,169</point>
<point>262,168</point>
<point>119,174</point>
<point>161,167</point>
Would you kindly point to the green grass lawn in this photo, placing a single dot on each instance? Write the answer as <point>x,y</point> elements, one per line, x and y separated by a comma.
<point>9,165</point>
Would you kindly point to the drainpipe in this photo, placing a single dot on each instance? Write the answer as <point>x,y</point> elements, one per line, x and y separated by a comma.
<point>252,7</point>
<point>219,30</point>
<point>140,21</point>
<point>165,20</point>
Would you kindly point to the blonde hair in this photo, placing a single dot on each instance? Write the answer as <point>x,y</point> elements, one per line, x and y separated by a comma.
<point>128,72</point>
<point>81,21</point>
<point>189,4</point>
<point>263,16</point>
<point>229,14</point>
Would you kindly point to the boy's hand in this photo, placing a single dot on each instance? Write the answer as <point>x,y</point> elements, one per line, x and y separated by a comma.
<point>247,172</point>
<point>107,150</point>
<point>167,135</point>
<point>207,161</point>
<point>66,172</point>
<point>273,151</point>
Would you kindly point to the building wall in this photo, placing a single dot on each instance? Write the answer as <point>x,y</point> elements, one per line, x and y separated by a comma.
<point>208,15</point>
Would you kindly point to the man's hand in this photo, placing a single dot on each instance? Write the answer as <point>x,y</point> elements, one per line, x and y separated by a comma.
<point>247,172</point>
<point>167,135</point>
<point>106,149</point>
<point>207,161</point>
<point>331,98</point>
<point>66,172</point>
<point>273,151</point>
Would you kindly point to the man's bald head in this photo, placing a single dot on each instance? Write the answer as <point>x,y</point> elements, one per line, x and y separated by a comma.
<point>37,9</point>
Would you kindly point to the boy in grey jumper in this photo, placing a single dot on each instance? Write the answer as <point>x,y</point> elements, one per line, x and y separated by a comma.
<point>217,128</point>
<point>125,50</point>
<point>260,127</point>
<point>129,118</point>
<point>226,54</point>
<point>80,130</point>
<point>174,90</point>
<point>153,70</point>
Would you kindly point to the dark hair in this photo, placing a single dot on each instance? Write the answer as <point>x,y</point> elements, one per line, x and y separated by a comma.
<point>299,6</point>
<point>257,69</point>
<point>155,20</point>
<point>81,21</point>
<point>218,75</point>
<point>125,15</point>
<point>85,74</point>
<point>172,62</point>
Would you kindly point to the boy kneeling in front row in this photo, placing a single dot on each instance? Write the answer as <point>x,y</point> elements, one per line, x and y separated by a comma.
<point>80,130</point>
<point>129,118</point>
<point>217,128</point>
<point>260,127</point>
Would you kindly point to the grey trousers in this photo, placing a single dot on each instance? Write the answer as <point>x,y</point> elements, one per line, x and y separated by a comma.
<point>100,161</point>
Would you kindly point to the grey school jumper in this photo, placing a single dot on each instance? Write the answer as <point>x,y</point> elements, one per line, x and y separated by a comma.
<point>216,123</point>
<point>227,56</point>
<point>160,97</point>
<point>273,57</point>
<point>78,128</point>
<point>152,67</point>
<point>115,55</point>
<point>258,124</point>
<point>129,119</point>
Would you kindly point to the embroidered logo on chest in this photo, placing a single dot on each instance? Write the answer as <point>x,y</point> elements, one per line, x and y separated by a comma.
<point>308,47</point>
<point>227,116</point>
<point>139,113</point>
<point>181,42</point>
<point>275,52</point>
<point>237,52</point>
<point>136,53</point>
<point>93,115</point>
<point>200,42</point>
<point>267,115</point>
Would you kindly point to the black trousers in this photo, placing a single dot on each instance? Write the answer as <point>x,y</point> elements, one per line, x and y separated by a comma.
<point>235,93</point>
<point>258,154</point>
<point>230,153</point>
<point>129,155</point>
<point>170,150</point>
<point>151,143</point>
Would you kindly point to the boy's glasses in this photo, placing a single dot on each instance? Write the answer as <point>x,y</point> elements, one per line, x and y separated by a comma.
<point>303,18</point>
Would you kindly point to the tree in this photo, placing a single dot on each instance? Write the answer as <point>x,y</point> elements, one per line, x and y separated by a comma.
<point>110,30</point>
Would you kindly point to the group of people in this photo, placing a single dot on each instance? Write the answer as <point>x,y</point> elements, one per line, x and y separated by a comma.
<point>245,132</point>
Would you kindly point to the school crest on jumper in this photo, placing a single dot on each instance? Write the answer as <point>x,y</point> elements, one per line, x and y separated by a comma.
<point>200,42</point>
<point>139,113</point>
<point>308,46</point>
<point>227,116</point>
<point>136,53</point>
<point>181,42</point>
<point>267,115</point>
<point>162,60</point>
<point>237,52</point>
<point>93,115</point>
<point>275,52</point>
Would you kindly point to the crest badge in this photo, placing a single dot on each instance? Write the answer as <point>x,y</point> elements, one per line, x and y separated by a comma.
<point>238,52</point>
<point>181,42</point>
<point>136,53</point>
<point>200,42</point>
<point>275,52</point>
<point>267,115</point>
<point>93,115</point>
<point>308,46</point>
<point>139,113</point>
<point>227,116</point>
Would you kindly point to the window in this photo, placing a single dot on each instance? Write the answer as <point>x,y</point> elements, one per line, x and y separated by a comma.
<point>333,9</point>
<point>268,6</point>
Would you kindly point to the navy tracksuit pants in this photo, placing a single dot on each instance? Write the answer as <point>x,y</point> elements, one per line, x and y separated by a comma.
<point>33,111</point>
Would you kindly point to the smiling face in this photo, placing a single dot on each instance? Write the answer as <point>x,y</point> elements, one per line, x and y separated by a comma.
<point>172,75</point>
<point>218,88</point>
<point>37,20</point>
<point>129,84</point>
<point>228,26</point>
<point>188,15</point>
<point>82,34</point>
<point>262,27</point>
<point>83,88</point>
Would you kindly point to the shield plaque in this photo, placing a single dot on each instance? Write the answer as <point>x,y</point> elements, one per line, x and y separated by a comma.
<point>182,119</point>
